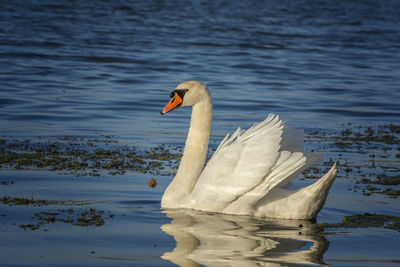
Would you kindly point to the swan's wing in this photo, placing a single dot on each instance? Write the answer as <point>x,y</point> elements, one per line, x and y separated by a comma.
<point>290,162</point>
<point>238,165</point>
<point>292,141</point>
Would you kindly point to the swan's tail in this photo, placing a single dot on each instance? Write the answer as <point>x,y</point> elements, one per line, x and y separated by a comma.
<point>318,192</point>
<point>304,203</point>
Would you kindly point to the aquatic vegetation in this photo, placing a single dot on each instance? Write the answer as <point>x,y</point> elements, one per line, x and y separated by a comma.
<point>25,201</point>
<point>393,128</point>
<point>367,155</point>
<point>85,157</point>
<point>364,221</point>
<point>383,184</point>
<point>384,134</point>
<point>75,214</point>
<point>88,217</point>
<point>385,179</point>
<point>375,148</point>
<point>71,216</point>
<point>391,192</point>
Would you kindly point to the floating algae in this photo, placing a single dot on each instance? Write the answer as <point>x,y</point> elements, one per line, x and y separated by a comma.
<point>74,214</point>
<point>85,157</point>
<point>364,221</point>
<point>367,155</point>
<point>84,217</point>
<point>385,179</point>
<point>25,201</point>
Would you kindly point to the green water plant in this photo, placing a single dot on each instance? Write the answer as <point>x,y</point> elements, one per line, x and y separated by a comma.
<point>363,221</point>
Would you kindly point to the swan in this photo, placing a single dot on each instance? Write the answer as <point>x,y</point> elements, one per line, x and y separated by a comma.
<point>249,171</point>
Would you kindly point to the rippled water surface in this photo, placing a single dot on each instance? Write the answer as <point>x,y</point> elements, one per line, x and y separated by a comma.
<point>95,68</point>
<point>82,67</point>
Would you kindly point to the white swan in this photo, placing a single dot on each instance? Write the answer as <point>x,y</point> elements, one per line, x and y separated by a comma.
<point>249,170</point>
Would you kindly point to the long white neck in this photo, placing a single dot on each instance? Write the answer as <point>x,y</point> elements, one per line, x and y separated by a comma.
<point>194,155</point>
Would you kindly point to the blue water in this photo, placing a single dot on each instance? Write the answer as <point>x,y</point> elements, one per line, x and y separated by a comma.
<point>90,67</point>
<point>93,68</point>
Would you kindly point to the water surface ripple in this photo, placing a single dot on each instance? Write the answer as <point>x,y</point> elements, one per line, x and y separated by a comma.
<point>83,67</point>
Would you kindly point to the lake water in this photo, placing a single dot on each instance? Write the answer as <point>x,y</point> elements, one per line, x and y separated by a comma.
<point>105,68</point>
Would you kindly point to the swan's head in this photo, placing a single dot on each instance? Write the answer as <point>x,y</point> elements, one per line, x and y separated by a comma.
<point>187,94</point>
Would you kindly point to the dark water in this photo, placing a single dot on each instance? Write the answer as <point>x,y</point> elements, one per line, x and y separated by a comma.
<point>89,67</point>
<point>92,68</point>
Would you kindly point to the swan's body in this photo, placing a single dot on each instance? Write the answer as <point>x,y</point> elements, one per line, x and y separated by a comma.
<point>249,170</point>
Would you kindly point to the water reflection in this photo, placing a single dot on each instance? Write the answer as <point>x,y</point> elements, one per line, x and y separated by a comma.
<point>226,240</point>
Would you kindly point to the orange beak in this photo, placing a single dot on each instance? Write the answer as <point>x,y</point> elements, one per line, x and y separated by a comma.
<point>175,102</point>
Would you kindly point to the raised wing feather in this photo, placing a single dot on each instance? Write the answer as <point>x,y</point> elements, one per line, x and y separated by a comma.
<point>240,163</point>
<point>286,164</point>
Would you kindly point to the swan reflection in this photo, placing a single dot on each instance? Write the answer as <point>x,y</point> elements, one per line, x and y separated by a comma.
<point>227,240</point>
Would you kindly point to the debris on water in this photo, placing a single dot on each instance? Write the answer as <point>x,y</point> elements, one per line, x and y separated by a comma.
<point>152,183</point>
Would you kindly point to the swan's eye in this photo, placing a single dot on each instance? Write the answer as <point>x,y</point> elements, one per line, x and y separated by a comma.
<point>181,92</point>
<point>171,95</point>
